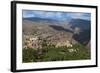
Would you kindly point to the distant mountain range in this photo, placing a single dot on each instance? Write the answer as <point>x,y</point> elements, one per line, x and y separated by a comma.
<point>80,23</point>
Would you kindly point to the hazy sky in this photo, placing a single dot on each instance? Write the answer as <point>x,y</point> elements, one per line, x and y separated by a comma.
<point>56,15</point>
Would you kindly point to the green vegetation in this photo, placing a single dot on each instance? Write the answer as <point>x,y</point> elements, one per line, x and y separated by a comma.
<point>51,53</point>
<point>29,55</point>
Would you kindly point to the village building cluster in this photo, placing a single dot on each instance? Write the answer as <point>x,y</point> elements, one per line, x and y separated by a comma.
<point>32,42</point>
<point>35,42</point>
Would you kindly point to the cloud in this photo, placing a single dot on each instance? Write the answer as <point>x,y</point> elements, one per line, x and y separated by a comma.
<point>27,13</point>
<point>86,16</point>
<point>56,15</point>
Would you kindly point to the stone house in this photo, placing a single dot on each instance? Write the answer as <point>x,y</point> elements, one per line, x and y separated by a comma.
<point>32,42</point>
<point>66,43</point>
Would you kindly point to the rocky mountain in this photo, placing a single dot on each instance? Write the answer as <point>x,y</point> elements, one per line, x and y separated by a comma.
<point>75,30</point>
<point>80,23</point>
<point>81,29</point>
